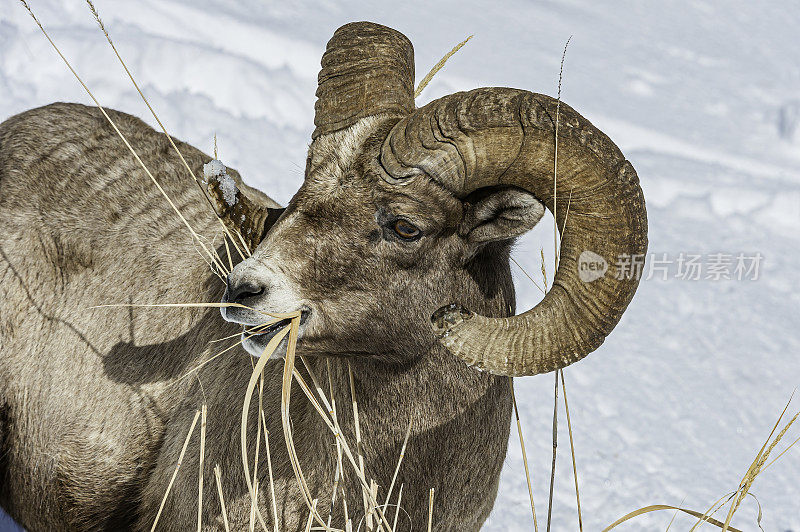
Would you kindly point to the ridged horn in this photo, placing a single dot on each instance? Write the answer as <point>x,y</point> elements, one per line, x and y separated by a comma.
<point>367,69</point>
<point>498,136</point>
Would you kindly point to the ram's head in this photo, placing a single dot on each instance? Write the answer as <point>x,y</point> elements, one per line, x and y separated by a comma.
<point>405,219</point>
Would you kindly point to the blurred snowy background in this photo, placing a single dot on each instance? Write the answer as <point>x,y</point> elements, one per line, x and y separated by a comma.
<point>702,97</point>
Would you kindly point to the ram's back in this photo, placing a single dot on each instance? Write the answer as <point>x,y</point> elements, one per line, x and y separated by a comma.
<point>83,225</point>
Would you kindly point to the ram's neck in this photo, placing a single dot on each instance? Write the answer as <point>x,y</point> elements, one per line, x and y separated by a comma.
<point>459,420</point>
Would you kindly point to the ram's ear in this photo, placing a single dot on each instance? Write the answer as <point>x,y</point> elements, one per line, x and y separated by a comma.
<point>250,217</point>
<point>499,214</point>
<point>272,217</point>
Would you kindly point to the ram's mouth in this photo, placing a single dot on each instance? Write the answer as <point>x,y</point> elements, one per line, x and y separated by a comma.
<point>262,335</point>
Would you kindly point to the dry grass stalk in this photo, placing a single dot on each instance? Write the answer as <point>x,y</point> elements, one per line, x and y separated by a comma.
<point>269,470</point>
<point>555,152</point>
<point>252,330</point>
<point>268,350</point>
<point>399,462</point>
<point>203,413</point>
<point>524,454</point>
<point>334,487</point>
<point>781,454</point>
<point>438,66</point>
<point>212,255</point>
<point>289,372</point>
<point>225,240</point>
<point>555,447</point>
<point>544,270</point>
<point>212,358</point>
<point>275,316</point>
<point>758,463</point>
<point>258,433</point>
<point>337,431</point>
<point>169,137</point>
<point>719,503</point>
<point>311,515</point>
<point>755,469</point>
<point>572,451</point>
<point>218,477</point>
<point>430,510</point>
<point>253,510</point>
<point>397,509</point>
<point>752,472</point>
<point>557,251</point>
<point>527,275</point>
<point>354,401</point>
<point>177,468</point>
<point>566,217</point>
<point>373,491</point>
<point>658,507</point>
<point>212,265</point>
<point>339,473</point>
<point>674,515</point>
<point>331,405</point>
<point>332,422</point>
<point>348,524</point>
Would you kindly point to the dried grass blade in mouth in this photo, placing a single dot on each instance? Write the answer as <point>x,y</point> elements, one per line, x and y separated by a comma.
<point>272,345</point>
<point>278,316</point>
<point>258,437</point>
<point>286,388</point>
<point>271,478</point>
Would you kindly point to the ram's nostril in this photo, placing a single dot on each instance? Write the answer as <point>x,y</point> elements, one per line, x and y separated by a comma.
<point>241,293</point>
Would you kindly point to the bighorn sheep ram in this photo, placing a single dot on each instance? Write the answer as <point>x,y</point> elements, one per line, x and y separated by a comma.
<point>396,248</point>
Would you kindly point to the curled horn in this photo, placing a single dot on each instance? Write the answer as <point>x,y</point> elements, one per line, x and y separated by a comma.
<point>498,136</point>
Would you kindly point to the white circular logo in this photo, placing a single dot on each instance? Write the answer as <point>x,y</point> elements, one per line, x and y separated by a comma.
<point>591,266</point>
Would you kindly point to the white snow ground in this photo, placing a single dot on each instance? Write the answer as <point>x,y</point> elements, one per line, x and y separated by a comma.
<point>702,97</point>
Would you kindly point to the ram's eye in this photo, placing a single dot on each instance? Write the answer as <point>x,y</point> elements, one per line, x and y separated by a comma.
<point>405,230</point>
